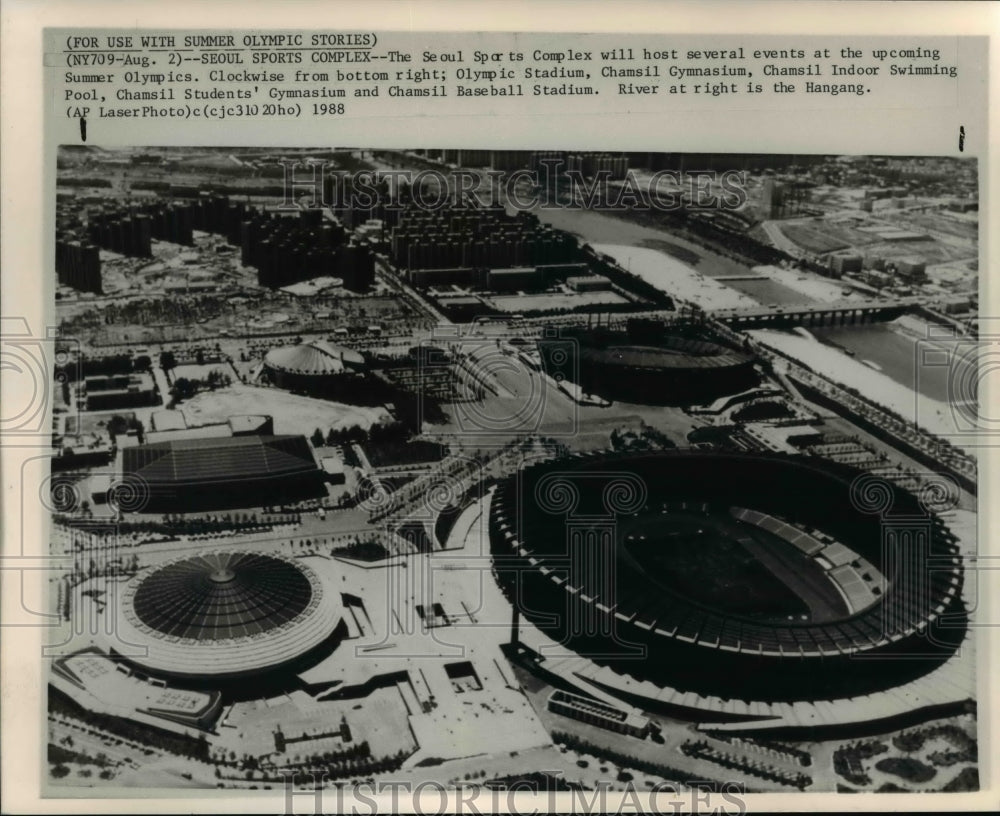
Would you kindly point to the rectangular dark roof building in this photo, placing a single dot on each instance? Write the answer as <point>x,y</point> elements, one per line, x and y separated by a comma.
<point>221,472</point>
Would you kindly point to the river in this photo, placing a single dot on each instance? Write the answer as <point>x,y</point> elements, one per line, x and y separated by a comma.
<point>889,348</point>
<point>908,359</point>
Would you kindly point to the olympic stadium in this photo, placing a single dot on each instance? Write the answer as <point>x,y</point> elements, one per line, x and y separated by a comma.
<point>215,618</point>
<point>748,578</point>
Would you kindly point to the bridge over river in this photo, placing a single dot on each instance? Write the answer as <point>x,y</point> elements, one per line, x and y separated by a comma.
<point>838,313</point>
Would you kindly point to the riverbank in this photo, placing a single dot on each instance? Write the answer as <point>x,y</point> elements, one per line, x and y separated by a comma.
<point>675,277</point>
<point>933,415</point>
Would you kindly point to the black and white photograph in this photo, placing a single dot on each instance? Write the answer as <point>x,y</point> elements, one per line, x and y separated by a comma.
<point>491,469</point>
<point>529,407</point>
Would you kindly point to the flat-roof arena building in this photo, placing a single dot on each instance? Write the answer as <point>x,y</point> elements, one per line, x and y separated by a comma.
<point>184,475</point>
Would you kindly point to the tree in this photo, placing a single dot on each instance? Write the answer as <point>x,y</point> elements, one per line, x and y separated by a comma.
<point>135,424</point>
<point>183,388</point>
<point>117,425</point>
<point>59,771</point>
<point>318,438</point>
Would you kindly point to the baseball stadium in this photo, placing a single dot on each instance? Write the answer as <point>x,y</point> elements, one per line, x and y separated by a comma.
<point>741,577</point>
<point>647,367</point>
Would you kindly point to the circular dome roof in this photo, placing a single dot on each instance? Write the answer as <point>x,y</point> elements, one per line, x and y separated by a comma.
<point>222,595</point>
<point>224,613</point>
<point>315,359</point>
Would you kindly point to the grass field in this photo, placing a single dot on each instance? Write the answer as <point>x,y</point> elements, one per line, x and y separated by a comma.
<point>700,558</point>
<point>823,236</point>
<point>932,252</point>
